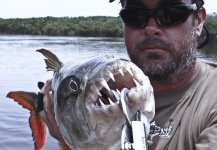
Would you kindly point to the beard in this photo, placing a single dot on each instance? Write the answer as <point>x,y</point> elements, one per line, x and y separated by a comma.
<point>157,68</point>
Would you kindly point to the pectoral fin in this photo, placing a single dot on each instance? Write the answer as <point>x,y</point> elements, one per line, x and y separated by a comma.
<point>28,100</point>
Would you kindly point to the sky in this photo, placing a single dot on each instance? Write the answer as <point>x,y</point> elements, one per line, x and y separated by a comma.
<point>67,8</point>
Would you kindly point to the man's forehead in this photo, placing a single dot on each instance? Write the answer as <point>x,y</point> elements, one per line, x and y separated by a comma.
<point>165,2</point>
<point>156,3</point>
<point>173,1</point>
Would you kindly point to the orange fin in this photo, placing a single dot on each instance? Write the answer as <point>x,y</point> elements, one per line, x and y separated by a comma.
<point>29,100</point>
<point>38,127</point>
<point>26,99</point>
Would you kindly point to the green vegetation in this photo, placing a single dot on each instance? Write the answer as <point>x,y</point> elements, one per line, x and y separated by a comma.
<point>212,27</point>
<point>99,26</point>
<point>64,26</point>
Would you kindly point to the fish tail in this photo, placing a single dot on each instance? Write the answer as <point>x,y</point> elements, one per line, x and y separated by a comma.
<point>29,100</point>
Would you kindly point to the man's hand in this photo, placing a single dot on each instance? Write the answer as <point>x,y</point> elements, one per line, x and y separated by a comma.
<point>48,113</point>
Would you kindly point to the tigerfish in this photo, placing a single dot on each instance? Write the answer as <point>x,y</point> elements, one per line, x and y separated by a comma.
<point>87,113</point>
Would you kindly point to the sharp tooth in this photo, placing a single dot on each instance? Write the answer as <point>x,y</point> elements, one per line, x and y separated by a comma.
<point>112,76</point>
<point>105,85</point>
<point>119,93</point>
<point>121,71</point>
<point>92,97</point>
<point>97,105</point>
<point>136,82</point>
<point>102,104</point>
<point>116,95</point>
<point>97,92</point>
<point>129,70</point>
<point>110,101</point>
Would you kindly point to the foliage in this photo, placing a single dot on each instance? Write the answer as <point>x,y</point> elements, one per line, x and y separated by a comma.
<point>80,26</point>
<point>212,27</point>
<point>64,26</point>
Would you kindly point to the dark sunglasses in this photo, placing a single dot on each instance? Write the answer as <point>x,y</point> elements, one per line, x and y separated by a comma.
<point>164,16</point>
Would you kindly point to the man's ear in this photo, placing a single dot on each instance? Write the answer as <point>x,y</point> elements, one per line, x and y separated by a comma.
<point>201,18</point>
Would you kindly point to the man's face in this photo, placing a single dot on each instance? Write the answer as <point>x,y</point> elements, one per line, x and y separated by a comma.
<point>161,52</point>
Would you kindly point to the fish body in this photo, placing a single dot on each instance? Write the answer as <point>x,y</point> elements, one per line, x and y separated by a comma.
<point>86,110</point>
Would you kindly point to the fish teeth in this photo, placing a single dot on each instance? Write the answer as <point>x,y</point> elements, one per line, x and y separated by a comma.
<point>136,82</point>
<point>112,76</point>
<point>110,101</point>
<point>97,92</point>
<point>105,85</point>
<point>118,92</point>
<point>91,97</point>
<point>102,104</point>
<point>116,95</point>
<point>129,70</point>
<point>121,71</point>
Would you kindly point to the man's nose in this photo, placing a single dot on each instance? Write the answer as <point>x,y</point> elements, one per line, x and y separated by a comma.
<point>152,29</point>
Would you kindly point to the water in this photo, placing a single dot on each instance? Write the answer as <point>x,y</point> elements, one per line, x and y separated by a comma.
<point>22,67</point>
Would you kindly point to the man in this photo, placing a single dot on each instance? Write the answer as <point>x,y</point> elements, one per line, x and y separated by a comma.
<point>161,37</point>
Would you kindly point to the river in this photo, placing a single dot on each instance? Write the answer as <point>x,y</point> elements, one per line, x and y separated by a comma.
<point>22,67</point>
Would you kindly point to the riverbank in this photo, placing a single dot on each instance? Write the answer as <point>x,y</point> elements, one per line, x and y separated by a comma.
<point>97,26</point>
<point>80,26</point>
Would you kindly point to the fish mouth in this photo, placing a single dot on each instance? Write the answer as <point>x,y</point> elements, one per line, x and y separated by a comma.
<point>110,93</point>
<point>105,88</point>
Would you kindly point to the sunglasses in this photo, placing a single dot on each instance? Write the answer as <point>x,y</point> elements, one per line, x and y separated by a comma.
<point>164,16</point>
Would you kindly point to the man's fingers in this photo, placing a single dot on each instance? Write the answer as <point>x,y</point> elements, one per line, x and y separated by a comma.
<point>47,87</point>
<point>44,117</point>
<point>48,113</point>
<point>47,110</point>
<point>48,101</point>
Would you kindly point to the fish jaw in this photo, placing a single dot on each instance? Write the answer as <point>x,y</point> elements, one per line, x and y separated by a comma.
<point>89,119</point>
<point>104,112</point>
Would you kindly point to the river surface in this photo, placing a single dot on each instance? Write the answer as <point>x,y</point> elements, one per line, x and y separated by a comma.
<point>22,67</point>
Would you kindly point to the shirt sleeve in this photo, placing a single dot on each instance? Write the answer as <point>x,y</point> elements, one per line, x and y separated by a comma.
<point>208,137</point>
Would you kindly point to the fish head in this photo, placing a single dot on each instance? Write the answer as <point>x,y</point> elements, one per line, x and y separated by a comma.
<point>87,112</point>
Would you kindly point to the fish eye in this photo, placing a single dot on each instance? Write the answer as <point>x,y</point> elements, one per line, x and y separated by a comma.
<point>73,85</point>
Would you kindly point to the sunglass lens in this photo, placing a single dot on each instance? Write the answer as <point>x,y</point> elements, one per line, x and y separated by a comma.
<point>134,17</point>
<point>171,15</point>
<point>165,16</point>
